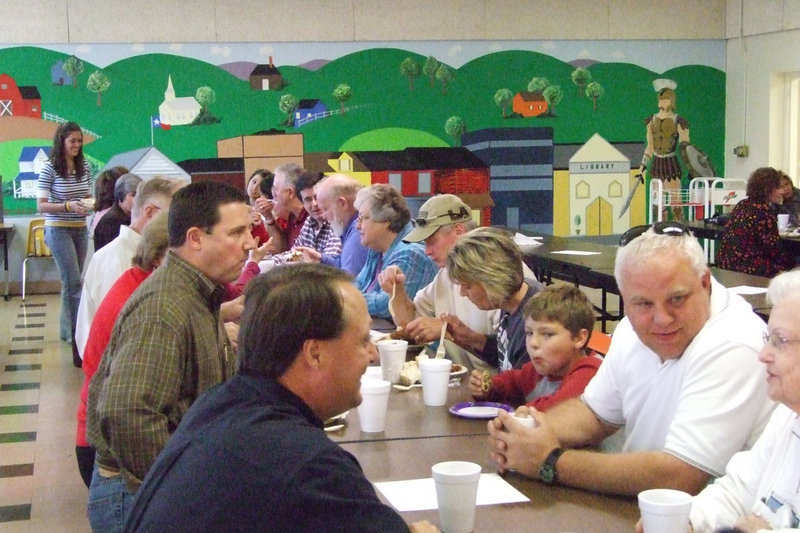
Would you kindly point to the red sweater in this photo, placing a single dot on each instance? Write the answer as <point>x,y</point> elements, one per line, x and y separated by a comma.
<point>100,334</point>
<point>512,386</point>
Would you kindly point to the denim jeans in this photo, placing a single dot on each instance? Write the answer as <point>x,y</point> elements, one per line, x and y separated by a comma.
<point>69,250</point>
<point>110,503</point>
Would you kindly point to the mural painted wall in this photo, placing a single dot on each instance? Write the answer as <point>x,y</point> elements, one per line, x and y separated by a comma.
<point>518,107</point>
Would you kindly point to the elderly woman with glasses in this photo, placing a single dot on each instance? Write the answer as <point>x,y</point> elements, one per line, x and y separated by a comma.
<point>383,221</point>
<point>761,487</point>
<point>751,243</point>
<point>488,265</point>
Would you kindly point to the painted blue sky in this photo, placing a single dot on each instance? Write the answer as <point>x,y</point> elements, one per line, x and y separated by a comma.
<point>657,56</point>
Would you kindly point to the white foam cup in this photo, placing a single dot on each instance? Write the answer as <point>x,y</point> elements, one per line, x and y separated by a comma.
<point>783,222</point>
<point>665,510</point>
<point>393,356</point>
<point>374,403</point>
<point>435,378</point>
<point>372,372</point>
<point>456,493</point>
<point>526,420</point>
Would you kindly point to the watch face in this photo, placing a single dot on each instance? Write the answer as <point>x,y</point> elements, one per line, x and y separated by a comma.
<point>547,473</point>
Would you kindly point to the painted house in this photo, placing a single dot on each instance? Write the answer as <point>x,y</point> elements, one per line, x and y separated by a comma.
<point>266,77</point>
<point>228,170</point>
<point>31,162</point>
<point>529,103</point>
<point>521,174</point>
<point>264,149</point>
<point>308,110</point>
<point>58,75</point>
<point>177,111</point>
<point>147,163</point>
<point>19,101</point>
<point>339,163</point>
<point>420,173</point>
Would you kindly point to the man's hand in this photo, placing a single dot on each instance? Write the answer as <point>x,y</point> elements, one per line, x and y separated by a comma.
<point>515,447</point>
<point>310,255</point>
<point>232,330</point>
<point>232,311</point>
<point>264,206</point>
<point>391,276</point>
<point>751,523</point>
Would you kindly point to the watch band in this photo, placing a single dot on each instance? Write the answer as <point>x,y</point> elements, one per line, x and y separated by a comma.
<point>547,472</point>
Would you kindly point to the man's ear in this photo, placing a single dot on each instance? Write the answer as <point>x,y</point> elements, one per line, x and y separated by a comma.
<point>194,237</point>
<point>311,352</point>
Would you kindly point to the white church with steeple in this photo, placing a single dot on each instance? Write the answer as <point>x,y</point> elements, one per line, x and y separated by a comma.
<point>177,111</point>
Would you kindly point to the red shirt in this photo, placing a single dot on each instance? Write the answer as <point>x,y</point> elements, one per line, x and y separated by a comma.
<point>291,227</point>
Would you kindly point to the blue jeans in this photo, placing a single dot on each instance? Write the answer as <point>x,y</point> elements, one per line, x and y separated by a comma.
<point>110,503</point>
<point>69,250</point>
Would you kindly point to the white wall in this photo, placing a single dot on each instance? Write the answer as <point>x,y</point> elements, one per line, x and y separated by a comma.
<point>763,41</point>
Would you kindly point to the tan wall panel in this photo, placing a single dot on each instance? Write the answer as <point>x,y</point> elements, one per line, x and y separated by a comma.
<point>39,21</point>
<point>139,21</point>
<point>657,19</point>
<point>230,147</point>
<point>419,20</point>
<point>284,20</point>
<point>545,19</point>
<point>273,145</point>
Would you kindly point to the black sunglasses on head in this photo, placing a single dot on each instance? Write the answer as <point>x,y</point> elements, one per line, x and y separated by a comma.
<point>674,229</point>
<point>459,215</point>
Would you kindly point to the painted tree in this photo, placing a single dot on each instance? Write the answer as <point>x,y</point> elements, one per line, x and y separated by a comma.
<point>98,83</point>
<point>445,75</point>
<point>205,96</point>
<point>503,98</point>
<point>580,77</point>
<point>594,91</point>
<point>429,68</point>
<point>538,84</point>
<point>73,66</point>
<point>288,105</point>
<point>553,95</point>
<point>455,128</point>
<point>410,69</point>
<point>342,94</point>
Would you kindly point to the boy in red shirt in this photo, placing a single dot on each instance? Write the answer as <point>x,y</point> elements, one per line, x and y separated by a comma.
<point>558,322</point>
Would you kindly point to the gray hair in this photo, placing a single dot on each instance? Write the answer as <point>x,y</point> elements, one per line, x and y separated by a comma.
<point>385,204</point>
<point>125,185</point>
<point>291,173</point>
<point>341,185</point>
<point>650,245</point>
<point>490,258</point>
<point>784,286</point>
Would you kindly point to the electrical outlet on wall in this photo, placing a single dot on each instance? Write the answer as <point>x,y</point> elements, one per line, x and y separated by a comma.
<point>741,150</point>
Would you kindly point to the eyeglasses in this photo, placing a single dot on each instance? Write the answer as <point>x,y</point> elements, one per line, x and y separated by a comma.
<point>673,229</point>
<point>461,214</point>
<point>777,341</point>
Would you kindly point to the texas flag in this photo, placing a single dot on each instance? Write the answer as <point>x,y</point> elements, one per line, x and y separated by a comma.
<point>158,124</point>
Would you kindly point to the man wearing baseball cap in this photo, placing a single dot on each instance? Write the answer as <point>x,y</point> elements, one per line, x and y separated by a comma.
<point>441,220</point>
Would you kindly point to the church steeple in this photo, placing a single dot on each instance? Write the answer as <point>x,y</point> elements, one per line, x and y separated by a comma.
<point>169,94</point>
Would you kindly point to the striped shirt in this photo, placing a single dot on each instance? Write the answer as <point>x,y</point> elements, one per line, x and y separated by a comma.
<point>57,189</point>
<point>320,237</point>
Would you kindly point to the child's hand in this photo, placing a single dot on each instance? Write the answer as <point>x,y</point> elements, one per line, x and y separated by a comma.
<point>480,383</point>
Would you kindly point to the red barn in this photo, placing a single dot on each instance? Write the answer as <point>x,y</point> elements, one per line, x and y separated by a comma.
<point>16,101</point>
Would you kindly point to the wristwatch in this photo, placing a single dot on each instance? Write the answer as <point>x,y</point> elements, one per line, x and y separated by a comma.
<point>547,472</point>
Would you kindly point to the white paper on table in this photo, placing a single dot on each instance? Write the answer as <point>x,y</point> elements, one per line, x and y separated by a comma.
<point>420,494</point>
<point>525,240</point>
<point>575,252</point>
<point>746,289</point>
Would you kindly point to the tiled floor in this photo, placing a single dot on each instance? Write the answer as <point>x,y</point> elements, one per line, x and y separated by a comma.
<point>40,488</point>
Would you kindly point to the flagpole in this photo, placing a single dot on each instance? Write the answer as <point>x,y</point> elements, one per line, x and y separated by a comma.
<point>151,130</point>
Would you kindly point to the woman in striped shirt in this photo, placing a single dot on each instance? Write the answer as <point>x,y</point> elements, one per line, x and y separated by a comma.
<point>63,185</point>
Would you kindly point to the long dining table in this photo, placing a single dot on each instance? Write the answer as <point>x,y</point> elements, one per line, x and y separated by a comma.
<point>418,436</point>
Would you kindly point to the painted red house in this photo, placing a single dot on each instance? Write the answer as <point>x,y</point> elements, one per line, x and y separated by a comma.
<point>529,104</point>
<point>22,101</point>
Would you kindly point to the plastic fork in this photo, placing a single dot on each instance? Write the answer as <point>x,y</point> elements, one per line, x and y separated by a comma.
<point>440,351</point>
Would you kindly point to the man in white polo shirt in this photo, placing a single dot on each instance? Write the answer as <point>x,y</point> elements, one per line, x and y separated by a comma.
<point>681,380</point>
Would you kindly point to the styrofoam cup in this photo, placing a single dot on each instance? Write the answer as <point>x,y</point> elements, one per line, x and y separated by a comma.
<point>783,222</point>
<point>393,356</point>
<point>435,378</point>
<point>526,420</point>
<point>665,510</point>
<point>374,403</point>
<point>372,372</point>
<point>456,493</point>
